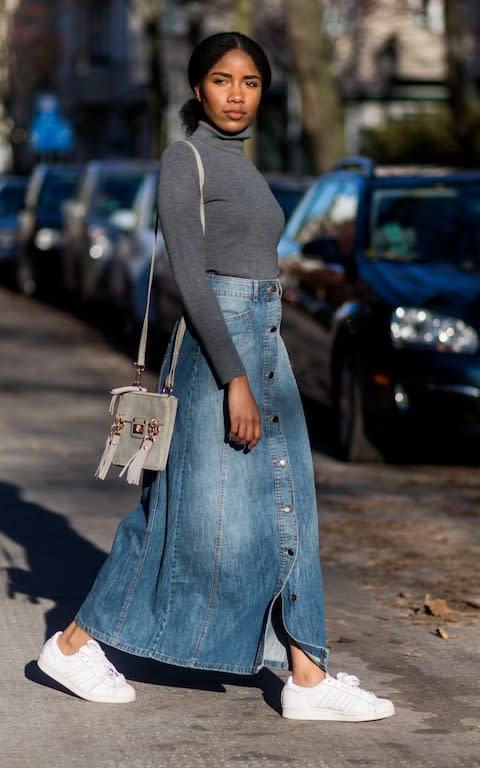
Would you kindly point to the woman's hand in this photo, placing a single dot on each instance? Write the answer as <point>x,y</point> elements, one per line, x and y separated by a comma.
<point>245,428</point>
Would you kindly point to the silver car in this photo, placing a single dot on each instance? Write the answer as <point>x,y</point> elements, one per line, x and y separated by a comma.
<point>89,234</point>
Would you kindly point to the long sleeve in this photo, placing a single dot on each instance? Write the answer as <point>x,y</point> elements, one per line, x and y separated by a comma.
<point>179,211</point>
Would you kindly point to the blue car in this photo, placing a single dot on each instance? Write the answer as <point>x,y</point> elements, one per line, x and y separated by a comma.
<point>381,268</point>
<point>12,198</point>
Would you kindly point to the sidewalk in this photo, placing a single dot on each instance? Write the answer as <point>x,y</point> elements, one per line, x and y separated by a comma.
<point>56,525</point>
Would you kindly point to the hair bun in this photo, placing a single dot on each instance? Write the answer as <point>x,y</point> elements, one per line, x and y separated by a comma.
<point>190,114</point>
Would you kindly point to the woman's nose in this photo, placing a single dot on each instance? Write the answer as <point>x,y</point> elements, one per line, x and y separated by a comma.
<point>235,94</point>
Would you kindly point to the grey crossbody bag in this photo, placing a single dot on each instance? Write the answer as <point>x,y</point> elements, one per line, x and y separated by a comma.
<point>142,429</point>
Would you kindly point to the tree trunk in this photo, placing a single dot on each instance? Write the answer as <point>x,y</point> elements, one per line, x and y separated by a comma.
<point>459,95</point>
<point>244,17</point>
<point>244,24</point>
<point>321,104</point>
<point>156,95</point>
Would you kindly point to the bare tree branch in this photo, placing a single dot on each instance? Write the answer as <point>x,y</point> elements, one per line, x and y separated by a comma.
<point>321,104</point>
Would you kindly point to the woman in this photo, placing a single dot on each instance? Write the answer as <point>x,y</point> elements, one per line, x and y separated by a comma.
<point>218,566</point>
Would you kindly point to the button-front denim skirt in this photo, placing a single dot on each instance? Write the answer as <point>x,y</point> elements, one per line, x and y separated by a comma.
<point>219,563</point>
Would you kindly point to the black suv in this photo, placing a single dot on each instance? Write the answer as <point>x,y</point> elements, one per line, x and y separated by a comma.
<point>40,228</point>
<point>384,264</point>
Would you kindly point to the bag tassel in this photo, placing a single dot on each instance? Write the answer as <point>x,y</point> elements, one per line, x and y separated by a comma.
<point>110,448</point>
<point>134,466</point>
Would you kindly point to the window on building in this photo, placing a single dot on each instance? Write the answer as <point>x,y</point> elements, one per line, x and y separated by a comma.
<point>428,14</point>
<point>93,31</point>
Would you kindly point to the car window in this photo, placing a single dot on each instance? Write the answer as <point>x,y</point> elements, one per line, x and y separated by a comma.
<point>114,193</point>
<point>153,217</point>
<point>145,201</point>
<point>310,217</point>
<point>430,224</point>
<point>151,206</point>
<point>56,187</point>
<point>11,200</point>
<point>340,217</point>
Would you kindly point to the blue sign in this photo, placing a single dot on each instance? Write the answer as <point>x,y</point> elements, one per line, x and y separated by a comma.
<point>49,132</point>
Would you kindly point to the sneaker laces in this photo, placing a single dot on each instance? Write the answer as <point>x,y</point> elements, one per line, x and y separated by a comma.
<point>346,679</point>
<point>92,651</point>
<point>352,681</point>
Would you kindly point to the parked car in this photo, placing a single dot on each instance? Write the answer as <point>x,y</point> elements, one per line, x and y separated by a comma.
<point>288,189</point>
<point>106,186</point>
<point>126,277</point>
<point>12,199</point>
<point>384,264</point>
<point>40,228</point>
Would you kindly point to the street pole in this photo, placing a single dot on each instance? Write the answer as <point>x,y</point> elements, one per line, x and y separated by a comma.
<point>244,24</point>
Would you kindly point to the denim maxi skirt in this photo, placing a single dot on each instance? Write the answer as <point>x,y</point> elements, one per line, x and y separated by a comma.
<point>220,559</point>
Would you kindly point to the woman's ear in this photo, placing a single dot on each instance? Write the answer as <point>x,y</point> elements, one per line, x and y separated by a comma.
<point>197,93</point>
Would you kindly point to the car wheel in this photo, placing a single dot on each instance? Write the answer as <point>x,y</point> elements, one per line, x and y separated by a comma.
<point>25,278</point>
<point>8,275</point>
<point>353,443</point>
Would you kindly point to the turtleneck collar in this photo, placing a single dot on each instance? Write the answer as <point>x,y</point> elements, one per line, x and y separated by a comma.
<point>206,131</point>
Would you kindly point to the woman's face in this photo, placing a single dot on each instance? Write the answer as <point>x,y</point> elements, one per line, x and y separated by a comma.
<point>230,92</point>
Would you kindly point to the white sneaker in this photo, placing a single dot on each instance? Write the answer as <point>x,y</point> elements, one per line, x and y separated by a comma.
<point>87,673</point>
<point>335,698</point>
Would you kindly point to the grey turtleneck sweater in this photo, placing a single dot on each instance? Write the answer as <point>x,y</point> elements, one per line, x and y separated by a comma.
<point>243,225</point>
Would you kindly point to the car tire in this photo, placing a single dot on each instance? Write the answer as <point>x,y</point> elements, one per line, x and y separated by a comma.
<point>353,443</point>
<point>8,275</point>
<point>25,278</point>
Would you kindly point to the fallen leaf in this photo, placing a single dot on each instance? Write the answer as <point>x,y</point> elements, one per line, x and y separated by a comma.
<point>473,602</point>
<point>442,633</point>
<point>436,606</point>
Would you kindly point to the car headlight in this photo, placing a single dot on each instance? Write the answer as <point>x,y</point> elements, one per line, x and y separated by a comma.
<point>100,243</point>
<point>47,238</point>
<point>422,328</point>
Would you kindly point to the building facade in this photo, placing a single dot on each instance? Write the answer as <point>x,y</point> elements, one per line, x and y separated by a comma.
<point>112,63</point>
<point>389,60</point>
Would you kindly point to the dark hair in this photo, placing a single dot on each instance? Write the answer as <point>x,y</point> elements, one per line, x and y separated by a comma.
<point>206,54</point>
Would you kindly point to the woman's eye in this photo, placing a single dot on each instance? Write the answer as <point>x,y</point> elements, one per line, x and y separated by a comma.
<point>252,83</point>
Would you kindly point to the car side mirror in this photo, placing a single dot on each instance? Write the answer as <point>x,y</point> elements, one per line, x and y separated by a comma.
<point>324,248</point>
<point>124,220</point>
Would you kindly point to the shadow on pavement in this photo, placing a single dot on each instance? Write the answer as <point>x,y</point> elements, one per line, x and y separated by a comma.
<point>153,672</point>
<point>138,670</point>
<point>60,566</point>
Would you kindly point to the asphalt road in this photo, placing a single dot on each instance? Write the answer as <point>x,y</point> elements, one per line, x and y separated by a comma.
<point>401,553</point>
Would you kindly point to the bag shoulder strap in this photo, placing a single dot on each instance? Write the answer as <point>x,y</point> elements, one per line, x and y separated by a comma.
<point>201,179</point>
<point>140,364</point>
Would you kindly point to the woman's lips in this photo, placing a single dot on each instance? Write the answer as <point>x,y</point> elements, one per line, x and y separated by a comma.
<point>235,114</point>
